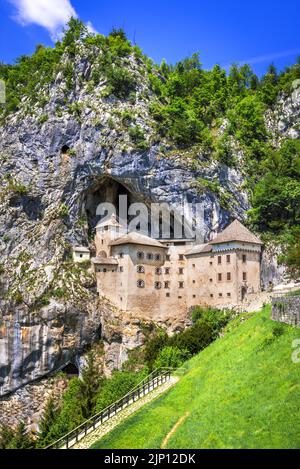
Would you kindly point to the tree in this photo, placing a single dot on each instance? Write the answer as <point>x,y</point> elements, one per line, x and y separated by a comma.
<point>90,385</point>
<point>269,86</point>
<point>6,436</point>
<point>74,33</point>
<point>172,357</point>
<point>194,339</point>
<point>291,256</point>
<point>21,439</point>
<point>49,418</point>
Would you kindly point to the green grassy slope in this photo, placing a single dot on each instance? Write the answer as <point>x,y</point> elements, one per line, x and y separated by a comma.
<point>241,392</point>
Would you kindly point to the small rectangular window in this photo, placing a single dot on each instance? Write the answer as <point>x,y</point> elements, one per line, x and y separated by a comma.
<point>219,277</point>
<point>168,257</point>
<point>229,295</point>
<point>168,295</point>
<point>219,260</point>
<point>245,276</point>
<point>194,296</point>
<point>228,259</point>
<point>167,271</point>
<point>181,257</point>
<point>181,285</point>
<point>220,295</point>
<point>194,266</point>
<point>194,281</point>
<point>121,269</point>
<point>121,255</point>
<point>211,295</point>
<point>244,258</point>
<point>181,271</point>
<point>228,276</point>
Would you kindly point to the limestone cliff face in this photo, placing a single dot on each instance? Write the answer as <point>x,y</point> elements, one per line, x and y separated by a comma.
<point>57,159</point>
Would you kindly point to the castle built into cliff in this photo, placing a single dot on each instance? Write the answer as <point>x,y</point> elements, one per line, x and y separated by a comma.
<point>140,274</point>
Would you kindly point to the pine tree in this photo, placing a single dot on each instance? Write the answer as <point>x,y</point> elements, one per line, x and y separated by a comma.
<point>49,418</point>
<point>6,436</point>
<point>21,439</point>
<point>90,385</point>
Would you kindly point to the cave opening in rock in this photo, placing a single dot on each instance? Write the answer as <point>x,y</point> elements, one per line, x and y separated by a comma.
<point>65,149</point>
<point>70,370</point>
<point>109,190</point>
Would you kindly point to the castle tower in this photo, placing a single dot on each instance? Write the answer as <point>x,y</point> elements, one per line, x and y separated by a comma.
<point>107,231</point>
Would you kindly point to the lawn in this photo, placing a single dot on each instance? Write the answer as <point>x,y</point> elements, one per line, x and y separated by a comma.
<point>243,391</point>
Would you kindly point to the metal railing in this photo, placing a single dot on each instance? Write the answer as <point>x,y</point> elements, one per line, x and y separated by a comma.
<point>151,382</point>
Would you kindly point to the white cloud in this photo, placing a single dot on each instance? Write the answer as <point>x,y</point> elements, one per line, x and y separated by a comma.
<point>50,14</point>
<point>91,28</point>
<point>266,58</point>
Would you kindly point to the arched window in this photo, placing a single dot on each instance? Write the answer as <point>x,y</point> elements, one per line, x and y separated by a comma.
<point>103,255</point>
<point>140,255</point>
<point>158,271</point>
<point>141,284</point>
<point>158,285</point>
<point>140,269</point>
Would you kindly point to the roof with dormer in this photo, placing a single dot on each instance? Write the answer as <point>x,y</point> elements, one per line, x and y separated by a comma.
<point>139,239</point>
<point>236,232</point>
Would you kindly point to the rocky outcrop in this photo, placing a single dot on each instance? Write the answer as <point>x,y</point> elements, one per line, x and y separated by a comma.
<point>283,121</point>
<point>272,273</point>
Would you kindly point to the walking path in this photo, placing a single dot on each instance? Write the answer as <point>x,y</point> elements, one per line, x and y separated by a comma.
<point>106,427</point>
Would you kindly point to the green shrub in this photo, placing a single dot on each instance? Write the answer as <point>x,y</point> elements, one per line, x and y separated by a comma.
<point>195,338</point>
<point>216,318</point>
<point>138,137</point>
<point>116,387</point>
<point>63,211</point>
<point>121,82</point>
<point>172,357</point>
<point>43,118</point>
<point>154,346</point>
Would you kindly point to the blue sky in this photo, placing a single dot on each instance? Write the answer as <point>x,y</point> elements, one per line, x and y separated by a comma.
<point>259,32</point>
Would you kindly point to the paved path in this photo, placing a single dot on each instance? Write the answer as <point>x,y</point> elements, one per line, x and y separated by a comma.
<point>106,427</point>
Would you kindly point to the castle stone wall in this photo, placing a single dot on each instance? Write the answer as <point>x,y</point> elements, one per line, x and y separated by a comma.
<point>287,310</point>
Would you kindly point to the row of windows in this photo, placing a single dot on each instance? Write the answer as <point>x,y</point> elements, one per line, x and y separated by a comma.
<point>149,256</point>
<point>229,277</point>
<point>158,285</point>
<point>158,271</point>
<point>228,259</point>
